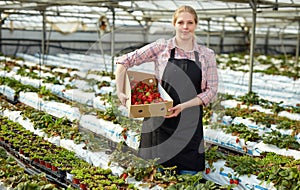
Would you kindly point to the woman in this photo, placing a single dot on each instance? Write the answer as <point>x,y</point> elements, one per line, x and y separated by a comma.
<point>188,73</point>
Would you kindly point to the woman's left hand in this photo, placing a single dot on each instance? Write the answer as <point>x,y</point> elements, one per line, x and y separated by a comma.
<point>174,111</point>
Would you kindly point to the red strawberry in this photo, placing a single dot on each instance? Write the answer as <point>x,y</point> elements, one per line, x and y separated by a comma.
<point>207,170</point>
<point>144,98</point>
<point>124,176</point>
<point>231,181</point>
<point>236,181</point>
<point>150,99</point>
<point>124,134</point>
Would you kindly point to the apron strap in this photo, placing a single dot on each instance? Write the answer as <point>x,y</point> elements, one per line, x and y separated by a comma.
<point>197,59</point>
<point>172,55</point>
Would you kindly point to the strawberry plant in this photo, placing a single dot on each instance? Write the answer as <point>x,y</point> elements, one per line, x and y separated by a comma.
<point>280,140</point>
<point>250,98</point>
<point>242,131</point>
<point>243,165</point>
<point>212,155</point>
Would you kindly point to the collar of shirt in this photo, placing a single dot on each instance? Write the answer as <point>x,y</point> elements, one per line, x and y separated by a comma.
<point>173,45</point>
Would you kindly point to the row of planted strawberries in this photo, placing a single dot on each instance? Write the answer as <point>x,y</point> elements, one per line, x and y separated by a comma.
<point>130,171</point>
<point>61,163</point>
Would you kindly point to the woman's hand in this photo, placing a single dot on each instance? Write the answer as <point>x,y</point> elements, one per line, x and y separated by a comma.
<point>180,107</point>
<point>122,97</point>
<point>175,111</point>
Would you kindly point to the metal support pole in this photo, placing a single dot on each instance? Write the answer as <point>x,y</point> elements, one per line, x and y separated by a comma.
<point>146,31</point>
<point>112,51</point>
<point>222,37</point>
<point>298,44</point>
<point>267,42</point>
<point>1,31</point>
<point>253,4</point>
<point>2,22</point>
<point>208,33</point>
<point>43,36</point>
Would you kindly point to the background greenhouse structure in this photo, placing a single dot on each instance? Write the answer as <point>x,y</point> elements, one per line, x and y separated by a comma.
<point>57,81</point>
<point>72,26</point>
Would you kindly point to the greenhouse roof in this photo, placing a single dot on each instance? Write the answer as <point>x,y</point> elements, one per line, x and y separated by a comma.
<point>279,16</point>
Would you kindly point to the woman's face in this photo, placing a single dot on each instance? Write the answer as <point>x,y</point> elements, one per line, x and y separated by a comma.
<point>185,26</point>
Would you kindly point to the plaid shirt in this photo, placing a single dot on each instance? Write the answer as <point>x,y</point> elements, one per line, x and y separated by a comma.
<point>159,53</point>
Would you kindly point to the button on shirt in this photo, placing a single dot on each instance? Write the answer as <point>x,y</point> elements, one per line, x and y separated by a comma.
<point>158,52</point>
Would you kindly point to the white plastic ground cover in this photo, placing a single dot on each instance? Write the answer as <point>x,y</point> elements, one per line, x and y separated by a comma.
<point>245,182</point>
<point>260,80</point>
<point>3,187</point>
<point>104,89</point>
<point>37,83</point>
<point>55,88</point>
<point>235,103</point>
<point>31,99</point>
<point>76,61</point>
<point>8,92</point>
<point>100,104</point>
<point>62,110</point>
<point>98,77</point>
<point>227,140</point>
<point>54,108</point>
<point>271,87</point>
<point>3,73</point>
<point>262,147</point>
<point>293,116</point>
<point>76,95</point>
<point>262,128</point>
<point>253,148</point>
<point>109,130</point>
<point>227,120</point>
<point>80,96</point>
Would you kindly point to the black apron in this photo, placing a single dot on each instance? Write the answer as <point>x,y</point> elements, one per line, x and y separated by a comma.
<point>177,141</point>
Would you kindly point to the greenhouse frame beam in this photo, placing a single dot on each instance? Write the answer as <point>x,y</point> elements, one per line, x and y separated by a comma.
<point>1,21</point>
<point>154,13</point>
<point>298,45</point>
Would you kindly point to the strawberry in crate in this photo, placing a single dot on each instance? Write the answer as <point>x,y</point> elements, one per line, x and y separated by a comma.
<point>143,93</point>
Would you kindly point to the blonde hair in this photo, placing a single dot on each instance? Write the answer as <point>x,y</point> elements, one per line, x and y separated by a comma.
<point>185,8</point>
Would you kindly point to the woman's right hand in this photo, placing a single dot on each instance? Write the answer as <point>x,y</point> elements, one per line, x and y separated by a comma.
<point>122,97</point>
